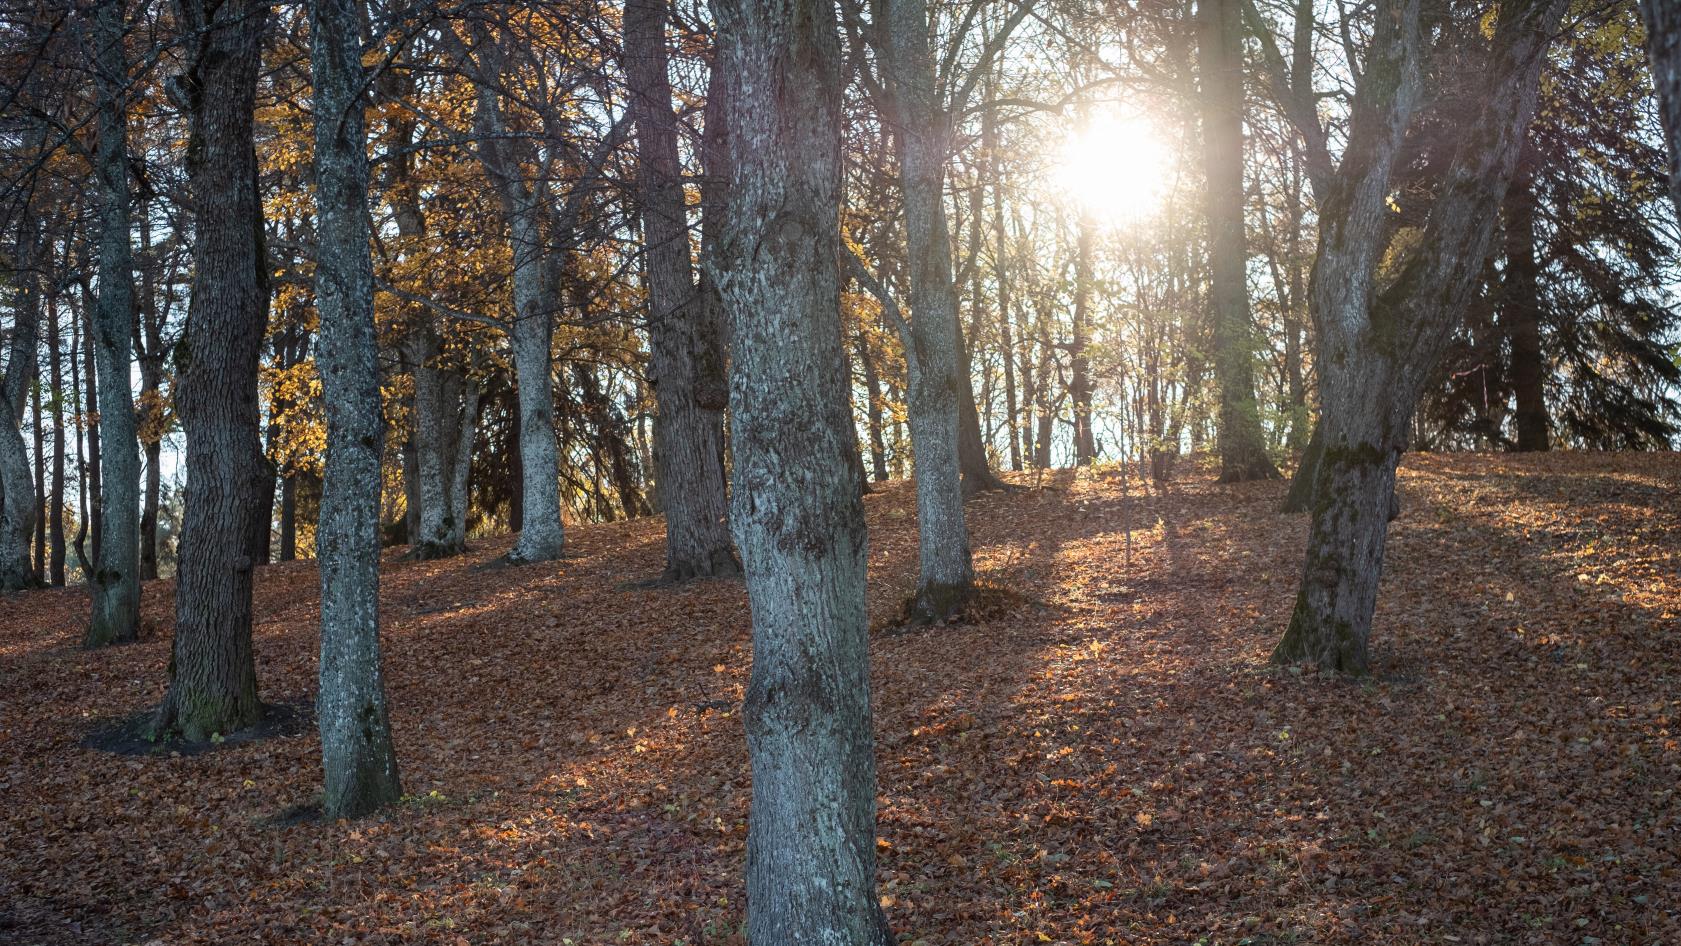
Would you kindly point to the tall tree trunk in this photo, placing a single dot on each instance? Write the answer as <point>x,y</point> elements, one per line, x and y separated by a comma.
<point>931,355</point>
<point>55,505</point>
<point>1243,452</point>
<point>535,286</point>
<point>798,517</point>
<point>1663,46</point>
<point>358,763</point>
<point>115,584</point>
<point>150,416</point>
<point>1380,348</point>
<point>95,461</point>
<point>38,570</point>
<point>1520,315</point>
<point>17,489</point>
<point>683,349</point>
<point>1080,383</point>
<point>213,676</point>
<point>1001,274</point>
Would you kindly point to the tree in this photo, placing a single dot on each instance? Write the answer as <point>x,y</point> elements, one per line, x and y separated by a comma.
<point>358,762</point>
<point>685,354</point>
<point>797,514</point>
<point>213,676</point>
<point>115,582</point>
<point>1243,454</point>
<point>17,489</point>
<point>1663,45</point>
<point>1384,300</point>
<point>535,287</point>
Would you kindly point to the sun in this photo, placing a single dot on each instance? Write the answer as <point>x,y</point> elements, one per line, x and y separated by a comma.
<point>1115,168</point>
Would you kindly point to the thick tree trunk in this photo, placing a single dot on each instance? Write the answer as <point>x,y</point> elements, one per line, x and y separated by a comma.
<point>358,763</point>
<point>115,583</point>
<point>1520,317</point>
<point>17,488</point>
<point>931,355</point>
<point>1663,46</point>
<point>685,358</point>
<point>797,516</point>
<point>1243,453</point>
<point>1379,348</point>
<point>535,287</point>
<point>213,676</point>
<point>446,407</point>
<point>1333,615</point>
<point>1304,482</point>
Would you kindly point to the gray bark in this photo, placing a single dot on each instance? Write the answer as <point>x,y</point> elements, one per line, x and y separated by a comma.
<point>931,356</point>
<point>17,487</point>
<point>1380,343</point>
<point>115,583</point>
<point>446,408</point>
<point>213,676</point>
<point>685,357</point>
<point>797,514</point>
<point>358,763</point>
<point>1663,46</point>
<point>535,289</point>
<point>1243,454</point>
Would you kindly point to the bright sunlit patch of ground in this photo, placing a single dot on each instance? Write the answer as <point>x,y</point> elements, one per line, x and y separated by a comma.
<point>1115,167</point>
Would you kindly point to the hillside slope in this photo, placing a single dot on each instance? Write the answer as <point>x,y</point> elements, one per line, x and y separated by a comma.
<point>1103,756</point>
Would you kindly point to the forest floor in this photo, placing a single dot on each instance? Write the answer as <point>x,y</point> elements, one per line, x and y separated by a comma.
<point>1112,761</point>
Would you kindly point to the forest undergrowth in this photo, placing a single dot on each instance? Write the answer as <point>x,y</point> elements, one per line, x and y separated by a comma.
<point>1102,755</point>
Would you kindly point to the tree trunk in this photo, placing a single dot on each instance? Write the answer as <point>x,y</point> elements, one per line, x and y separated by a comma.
<point>685,357</point>
<point>797,517</point>
<point>931,356</point>
<point>1243,453</point>
<point>1001,273</point>
<point>17,489</point>
<point>1663,46</point>
<point>115,583</point>
<point>213,677</point>
<point>95,460</point>
<point>1079,381</point>
<point>1520,316</point>
<point>535,287</point>
<point>358,764</point>
<point>446,417</point>
<point>289,519</point>
<point>1380,347</point>
<point>150,417</point>
<point>55,509</point>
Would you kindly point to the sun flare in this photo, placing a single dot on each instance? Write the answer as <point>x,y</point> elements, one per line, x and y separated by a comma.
<point>1115,168</point>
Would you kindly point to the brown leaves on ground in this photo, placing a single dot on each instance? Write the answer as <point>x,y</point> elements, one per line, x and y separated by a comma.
<point>1109,761</point>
